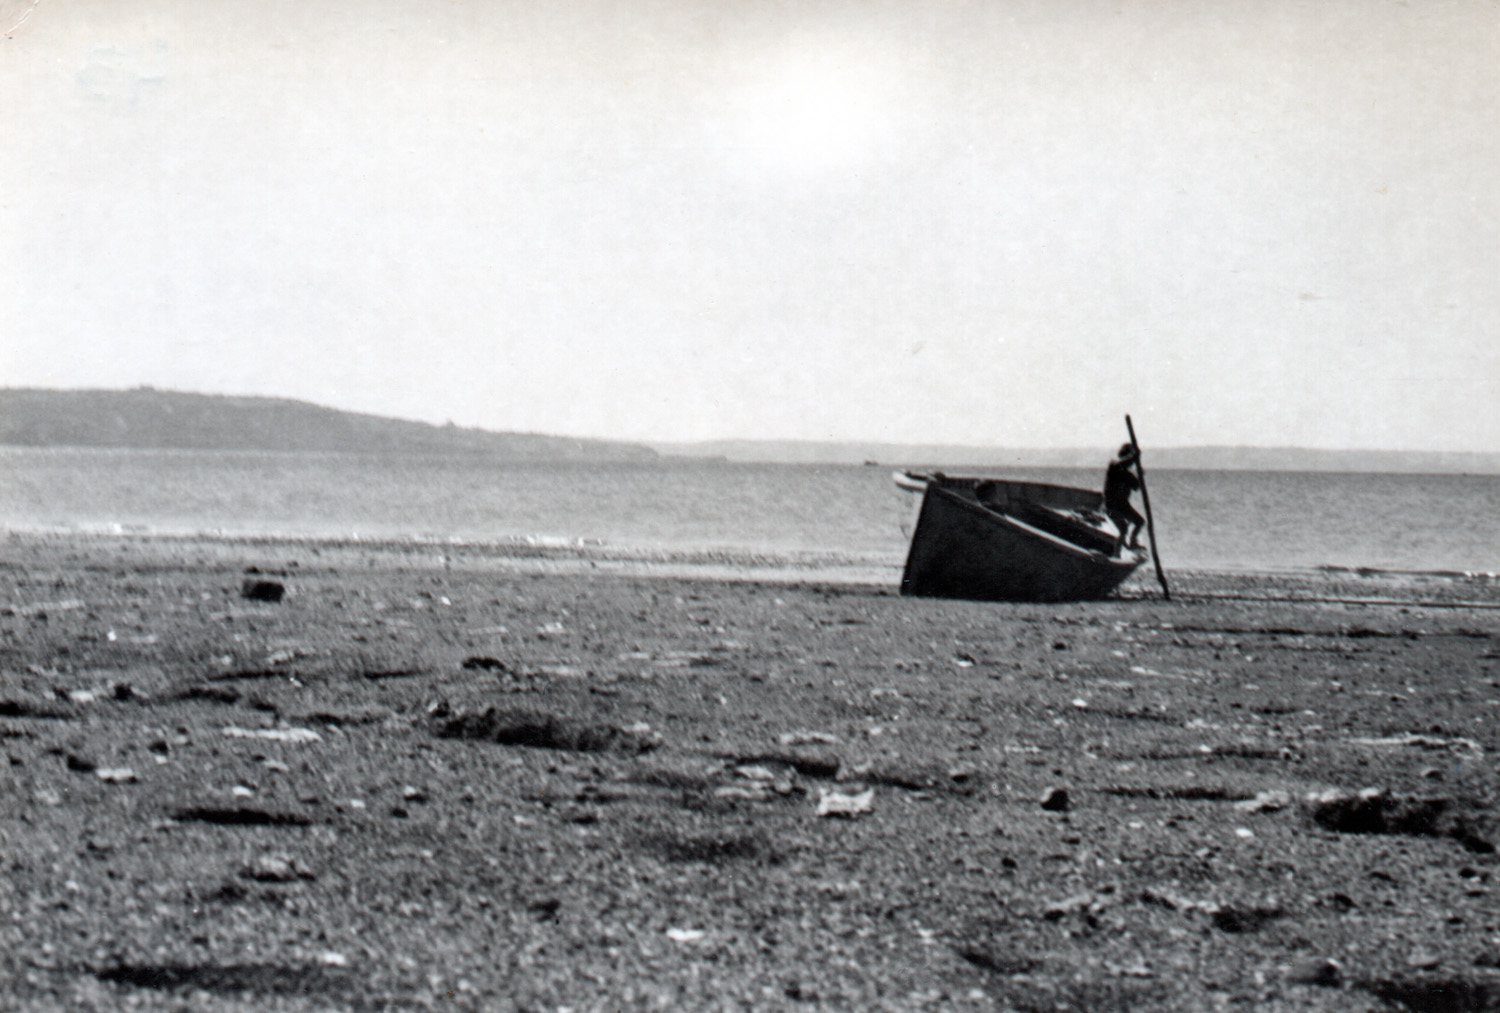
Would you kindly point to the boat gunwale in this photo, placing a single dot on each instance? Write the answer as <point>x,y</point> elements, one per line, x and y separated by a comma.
<point>917,482</point>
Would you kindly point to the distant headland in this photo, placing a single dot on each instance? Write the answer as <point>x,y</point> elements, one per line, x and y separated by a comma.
<point>147,418</point>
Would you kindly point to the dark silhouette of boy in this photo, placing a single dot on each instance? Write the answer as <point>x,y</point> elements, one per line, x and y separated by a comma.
<point>1119,482</point>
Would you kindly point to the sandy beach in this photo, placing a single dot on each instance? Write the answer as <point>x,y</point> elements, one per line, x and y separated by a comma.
<point>264,775</point>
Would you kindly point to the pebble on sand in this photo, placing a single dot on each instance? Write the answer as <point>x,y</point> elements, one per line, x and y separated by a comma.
<point>262,590</point>
<point>115,775</point>
<point>1056,800</point>
<point>274,734</point>
<point>1316,971</point>
<point>1265,802</point>
<point>833,803</point>
<point>277,867</point>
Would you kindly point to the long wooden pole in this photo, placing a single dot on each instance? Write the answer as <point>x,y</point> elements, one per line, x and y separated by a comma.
<point>1140,473</point>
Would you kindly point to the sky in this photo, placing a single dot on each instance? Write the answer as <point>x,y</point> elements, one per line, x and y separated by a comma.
<point>1003,223</point>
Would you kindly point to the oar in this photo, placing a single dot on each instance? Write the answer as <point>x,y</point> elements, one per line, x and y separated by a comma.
<point>1140,473</point>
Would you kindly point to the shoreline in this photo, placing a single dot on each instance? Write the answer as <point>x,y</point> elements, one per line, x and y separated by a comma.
<point>741,563</point>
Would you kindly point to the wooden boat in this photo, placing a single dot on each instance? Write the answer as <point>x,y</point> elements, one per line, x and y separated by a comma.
<point>991,539</point>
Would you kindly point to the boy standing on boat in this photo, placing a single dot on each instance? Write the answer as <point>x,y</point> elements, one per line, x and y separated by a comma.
<point>1119,482</point>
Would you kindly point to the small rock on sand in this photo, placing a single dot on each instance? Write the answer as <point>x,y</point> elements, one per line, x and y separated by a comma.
<point>1316,971</point>
<point>274,734</point>
<point>803,738</point>
<point>275,867</point>
<point>1424,960</point>
<point>1072,905</point>
<point>115,775</point>
<point>1265,802</point>
<point>833,803</point>
<point>256,589</point>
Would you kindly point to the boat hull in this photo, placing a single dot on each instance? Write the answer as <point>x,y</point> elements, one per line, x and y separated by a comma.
<point>962,548</point>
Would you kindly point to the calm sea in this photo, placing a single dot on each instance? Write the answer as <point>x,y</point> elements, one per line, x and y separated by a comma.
<point>1210,520</point>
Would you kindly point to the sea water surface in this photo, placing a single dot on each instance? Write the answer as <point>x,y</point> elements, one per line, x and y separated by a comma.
<point>1230,520</point>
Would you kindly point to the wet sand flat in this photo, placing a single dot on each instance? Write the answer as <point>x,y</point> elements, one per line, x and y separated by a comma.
<point>262,775</point>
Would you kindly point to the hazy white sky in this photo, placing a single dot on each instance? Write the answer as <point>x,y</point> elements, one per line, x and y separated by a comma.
<point>992,222</point>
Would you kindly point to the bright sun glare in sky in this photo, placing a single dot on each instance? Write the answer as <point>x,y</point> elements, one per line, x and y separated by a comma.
<point>812,111</point>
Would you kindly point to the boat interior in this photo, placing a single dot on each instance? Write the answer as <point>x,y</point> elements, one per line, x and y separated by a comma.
<point>1069,514</point>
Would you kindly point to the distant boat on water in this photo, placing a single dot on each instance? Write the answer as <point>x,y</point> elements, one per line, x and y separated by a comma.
<point>989,539</point>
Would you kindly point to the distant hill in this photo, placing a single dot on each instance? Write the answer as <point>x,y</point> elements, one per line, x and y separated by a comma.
<point>148,418</point>
<point>1185,458</point>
